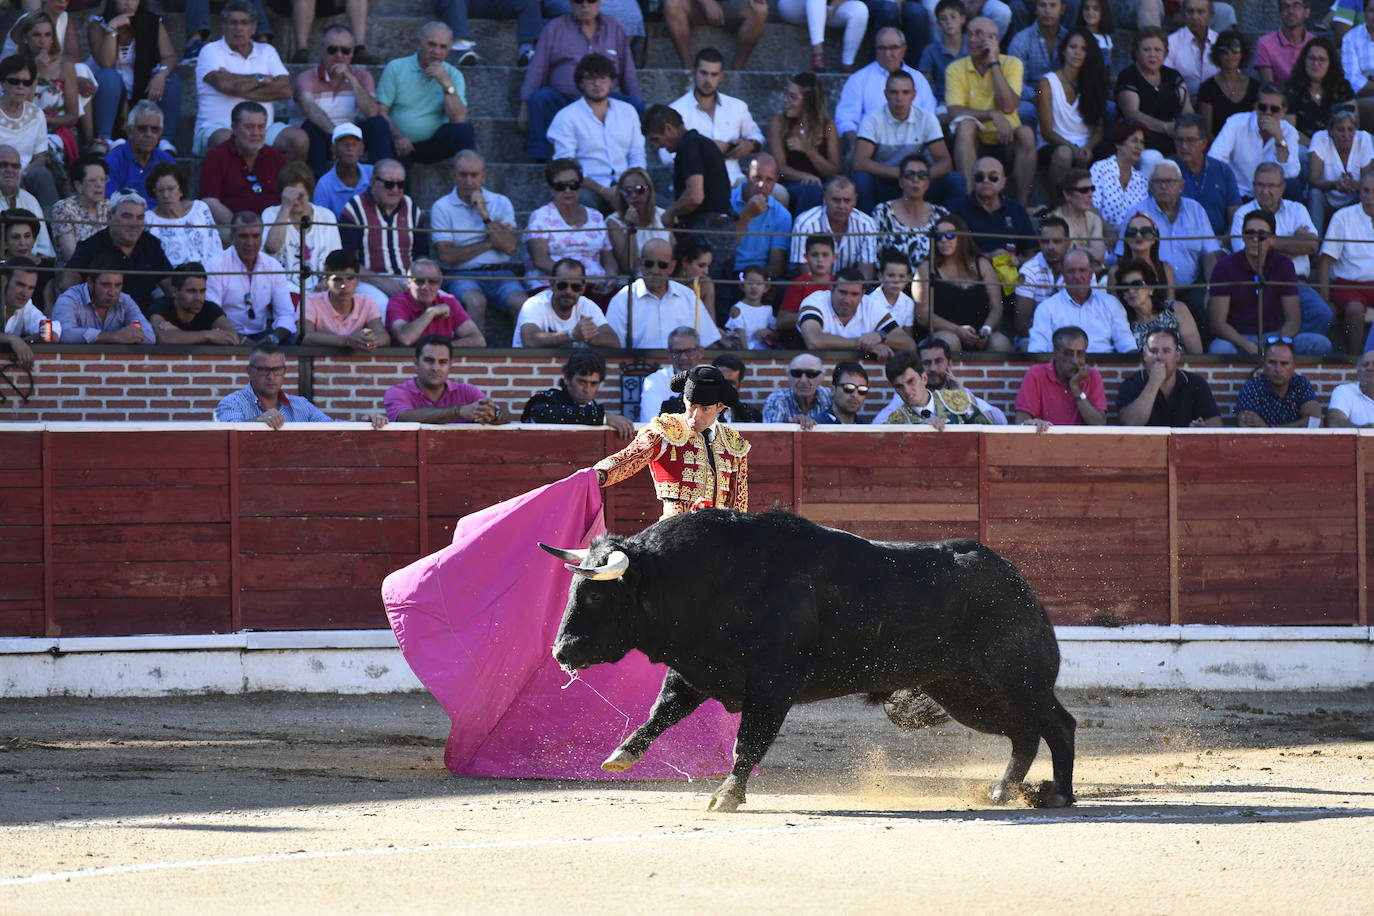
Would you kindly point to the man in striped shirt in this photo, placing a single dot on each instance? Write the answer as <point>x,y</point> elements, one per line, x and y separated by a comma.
<point>382,224</point>
<point>854,232</point>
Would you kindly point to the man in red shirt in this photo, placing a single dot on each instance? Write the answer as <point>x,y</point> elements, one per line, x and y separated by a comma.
<point>241,173</point>
<point>1066,391</point>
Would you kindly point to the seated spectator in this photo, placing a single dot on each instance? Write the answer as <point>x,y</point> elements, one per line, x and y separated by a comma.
<point>18,231</point>
<point>528,22</point>
<point>241,173</point>
<point>983,93</point>
<point>923,406</point>
<point>573,402</point>
<point>1228,91</point>
<point>133,60</point>
<point>804,401</point>
<point>24,131</point>
<point>694,267</point>
<point>1140,242</point>
<point>599,131</point>
<point>853,232</point>
<point>99,311</point>
<point>1338,157</point>
<point>340,316</point>
<point>64,25</point>
<point>1278,395</point>
<point>386,226</point>
<point>733,370</point>
<point>893,134</point>
<point>302,14</point>
<point>761,222</point>
<point>560,316</point>
<point>722,119</point>
<point>565,228</point>
<point>1085,226</point>
<point>752,324</point>
<point>1118,182</point>
<point>13,197</point>
<point>841,319</point>
<point>1096,17</point>
<point>56,91</point>
<point>1071,130</point>
<point>283,224</point>
<point>1317,88</point>
<point>1357,59</point>
<point>655,392</point>
<point>431,398</point>
<point>263,401</point>
<point>337,92</point>
<point>635,209</point>
<point>935,354</point>
<point>1345,269</point>
<point>188,318</point>
<point>1238,281</point>
<point>1352,404</point>
<point>849,15</point>
<point>1038,48</point>
<point>997,222</point>
<point>745,18</point>
<point>77,218</point>
<point>945,48</point>
<point>474,238</point>
<point>551,81</point>
<point>1206,180</point>
<point>237,69</point>
<point>1186,242</point>
<point>865,91</point>
<point>19,317</point>
<point>1276,52</point>
<point>1065,391</point>
<point>804,142</point>
<point>139,254</point>
<point>251,286</point>
<point>198,27</point>
<point>422,97</point>
<point>959,296</point>
<point>423,309</point>
<point>894,285</point>
<point>184,227</point>
<point>1162,394</point>
<point>817,273</point>
<point>350,176</point>
<point>906,223</point>
<point>1262,135</point>
<point>848,390</point>
<point>654,305</point>
<point>1151,94</point>
<point>1148,307</point>
<point>1190,48</point>
<point>1095,314</point>
<point>1039,277</point>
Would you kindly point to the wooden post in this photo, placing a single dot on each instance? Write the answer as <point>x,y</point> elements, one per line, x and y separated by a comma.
<point>1361,536</point>
<point>49,615</point>
<point>235,555</point>
<point>1175,611</point>
<point>422,488</point>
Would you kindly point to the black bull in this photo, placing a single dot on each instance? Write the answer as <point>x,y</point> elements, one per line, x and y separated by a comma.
<point>764,611</point>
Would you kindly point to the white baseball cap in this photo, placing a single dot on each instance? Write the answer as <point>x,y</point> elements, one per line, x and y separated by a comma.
<point>347,129</point>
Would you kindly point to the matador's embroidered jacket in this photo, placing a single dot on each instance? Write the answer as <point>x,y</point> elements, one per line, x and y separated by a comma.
<point>682,474</point>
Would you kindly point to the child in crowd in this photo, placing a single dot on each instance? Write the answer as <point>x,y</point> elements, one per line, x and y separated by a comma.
<point>944,50</point>
<point>820,265</point>
<point>751,325</point>
<point>894,279</point>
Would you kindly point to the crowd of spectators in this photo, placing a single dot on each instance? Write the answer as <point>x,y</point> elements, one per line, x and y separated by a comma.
<point>990,181</point>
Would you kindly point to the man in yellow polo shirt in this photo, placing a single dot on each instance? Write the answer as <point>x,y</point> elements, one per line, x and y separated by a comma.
<point>982,93</point>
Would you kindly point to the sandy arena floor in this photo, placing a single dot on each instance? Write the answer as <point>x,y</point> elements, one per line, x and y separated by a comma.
<point>1188,803</point>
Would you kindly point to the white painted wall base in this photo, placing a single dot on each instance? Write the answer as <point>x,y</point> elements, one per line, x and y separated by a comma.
<point>368,661</point>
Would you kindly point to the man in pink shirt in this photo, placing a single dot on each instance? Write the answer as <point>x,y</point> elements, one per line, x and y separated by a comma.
<point>431,398</point>
<point>423,308</point>
<point>1066,391</point>
<point>1276,52</point>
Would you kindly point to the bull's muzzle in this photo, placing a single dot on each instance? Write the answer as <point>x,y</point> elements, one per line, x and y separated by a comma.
<point>615,566</point>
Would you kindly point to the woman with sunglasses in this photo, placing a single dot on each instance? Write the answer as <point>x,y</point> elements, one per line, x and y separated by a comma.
<point>1087,229</point>
<point>804,141</point>
<point>1118,183</point>
<point>1230,91</point>
<point>133,58</point>
<point>1148,307</point>
<point>634,207</point>
<point>77,218</point>
<point>1140,242</point>
<point>564,228</point>
<point>184,227</point>
<point>958,294</point>
<point>1317,88</point>
<point>1072,103</point>
<point>24,127</point>
<point>341,316</point>
<point>905,223</point>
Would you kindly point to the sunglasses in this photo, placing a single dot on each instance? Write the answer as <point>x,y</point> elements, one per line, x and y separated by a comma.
<point>1137,283</point>
<point>253,185</point>
<point>390,185</point>
<point>987,176</point>
<point>338,49</point>
<point>574,285</point>
<point>426,281</point>
<point>1086,189</point>
<point>1229,49</point>
<point>661,265</point>
<point>635,189</point>
<point>1142,231</point>
<point>809,373</point>
<point>946,236</point>
<point>148,128</point>
<point>1269,109</point>
<point>269,370</point>
<point>9,165</point>
<point>16,81</point>
<point>850,388</point>
<point>912,175</point>
<point>1261,235</point>
<point>1275,339</point>
<point>248,304</point>
<point>566,185</point>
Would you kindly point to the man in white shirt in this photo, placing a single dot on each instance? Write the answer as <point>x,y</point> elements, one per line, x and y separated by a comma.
<point>1251,137</point>
<point>717,116</point>
<point>13,196</point>
<point>1190,48</point>
<point>684,352</point>
<point>840,318</point>
<point>1345,269</point>
<point>855,233</point>
<point>864,90</point>
<point>237,69</point>
<point>890,134</point>
<point>1352,404</point>
<point>1101,315</point>
<point>1357,60</point>
<point>250,286</point>
<point>598,131</point>
<point>561,316</point>
<point>660,304</point>
<point>474,237</point>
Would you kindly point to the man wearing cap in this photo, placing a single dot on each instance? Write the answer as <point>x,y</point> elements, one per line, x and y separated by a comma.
<point>696,461</point>
<point>350,176</point>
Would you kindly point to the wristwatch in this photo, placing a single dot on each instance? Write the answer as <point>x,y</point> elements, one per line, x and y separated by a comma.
<point>1281,144</point>
<point>1082,395</point>
<point>260,77</point>
<point>451,90</point>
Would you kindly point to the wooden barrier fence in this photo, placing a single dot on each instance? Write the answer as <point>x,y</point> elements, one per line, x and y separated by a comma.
<point>195,528</point>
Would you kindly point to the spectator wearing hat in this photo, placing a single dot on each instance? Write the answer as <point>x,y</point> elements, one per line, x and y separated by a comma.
<point>350,176</point>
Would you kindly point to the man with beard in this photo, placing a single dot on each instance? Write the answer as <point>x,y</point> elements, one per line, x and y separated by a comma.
<point>573,402</point>
<point>188,318</point>
<point>722,119</point>
<point>560,316</point>
<point>935,354</point>
<point>600,132</point>
<point>431,398</point>
<point>923,406</point>
<point>849,388</point>
<point>1039,277</point>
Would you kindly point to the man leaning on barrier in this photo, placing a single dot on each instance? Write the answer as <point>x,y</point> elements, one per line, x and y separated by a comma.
<point>262,399</point>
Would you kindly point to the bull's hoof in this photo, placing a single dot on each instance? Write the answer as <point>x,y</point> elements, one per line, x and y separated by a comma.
<point>620,761</point>
<point>1001,793</point>
<point>1047,795</point>
<point>724,801</point>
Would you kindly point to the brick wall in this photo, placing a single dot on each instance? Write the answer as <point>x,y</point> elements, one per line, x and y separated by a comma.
<point>169,383</point>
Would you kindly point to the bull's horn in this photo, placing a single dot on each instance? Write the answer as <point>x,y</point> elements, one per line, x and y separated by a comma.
<point>567,556</point>
<point>614,567</point>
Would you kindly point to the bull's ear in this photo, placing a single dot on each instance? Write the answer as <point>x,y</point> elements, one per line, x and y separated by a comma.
<point>614,567</point>
<point>567,556</point>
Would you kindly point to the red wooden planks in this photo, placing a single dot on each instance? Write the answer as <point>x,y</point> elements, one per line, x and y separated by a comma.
<point>136,505</point>
<point>323,609</point>
<point>310,536</point>
<point>141,580</point>
<point>328,449</point>
<point>136,450</point>
<point>140,543</point>
<point>88,616</point>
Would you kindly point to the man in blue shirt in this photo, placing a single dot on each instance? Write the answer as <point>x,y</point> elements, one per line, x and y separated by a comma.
<point>349,177</point>
<point>262,399</point>
<point>128,163</point>
<point>1208,181</point>
<point>762,224</point>
<point>1185,235</point>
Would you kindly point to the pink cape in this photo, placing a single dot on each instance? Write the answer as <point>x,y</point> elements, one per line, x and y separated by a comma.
<point>476,622</point>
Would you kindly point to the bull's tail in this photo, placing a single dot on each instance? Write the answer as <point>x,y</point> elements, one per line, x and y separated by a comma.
<point>909,710</point>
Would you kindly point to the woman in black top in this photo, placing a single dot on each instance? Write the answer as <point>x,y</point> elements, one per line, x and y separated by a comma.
<point>1151,93</point>
<point>957,291</point>
<point>1317,88</point>
<point>1230,91</point>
